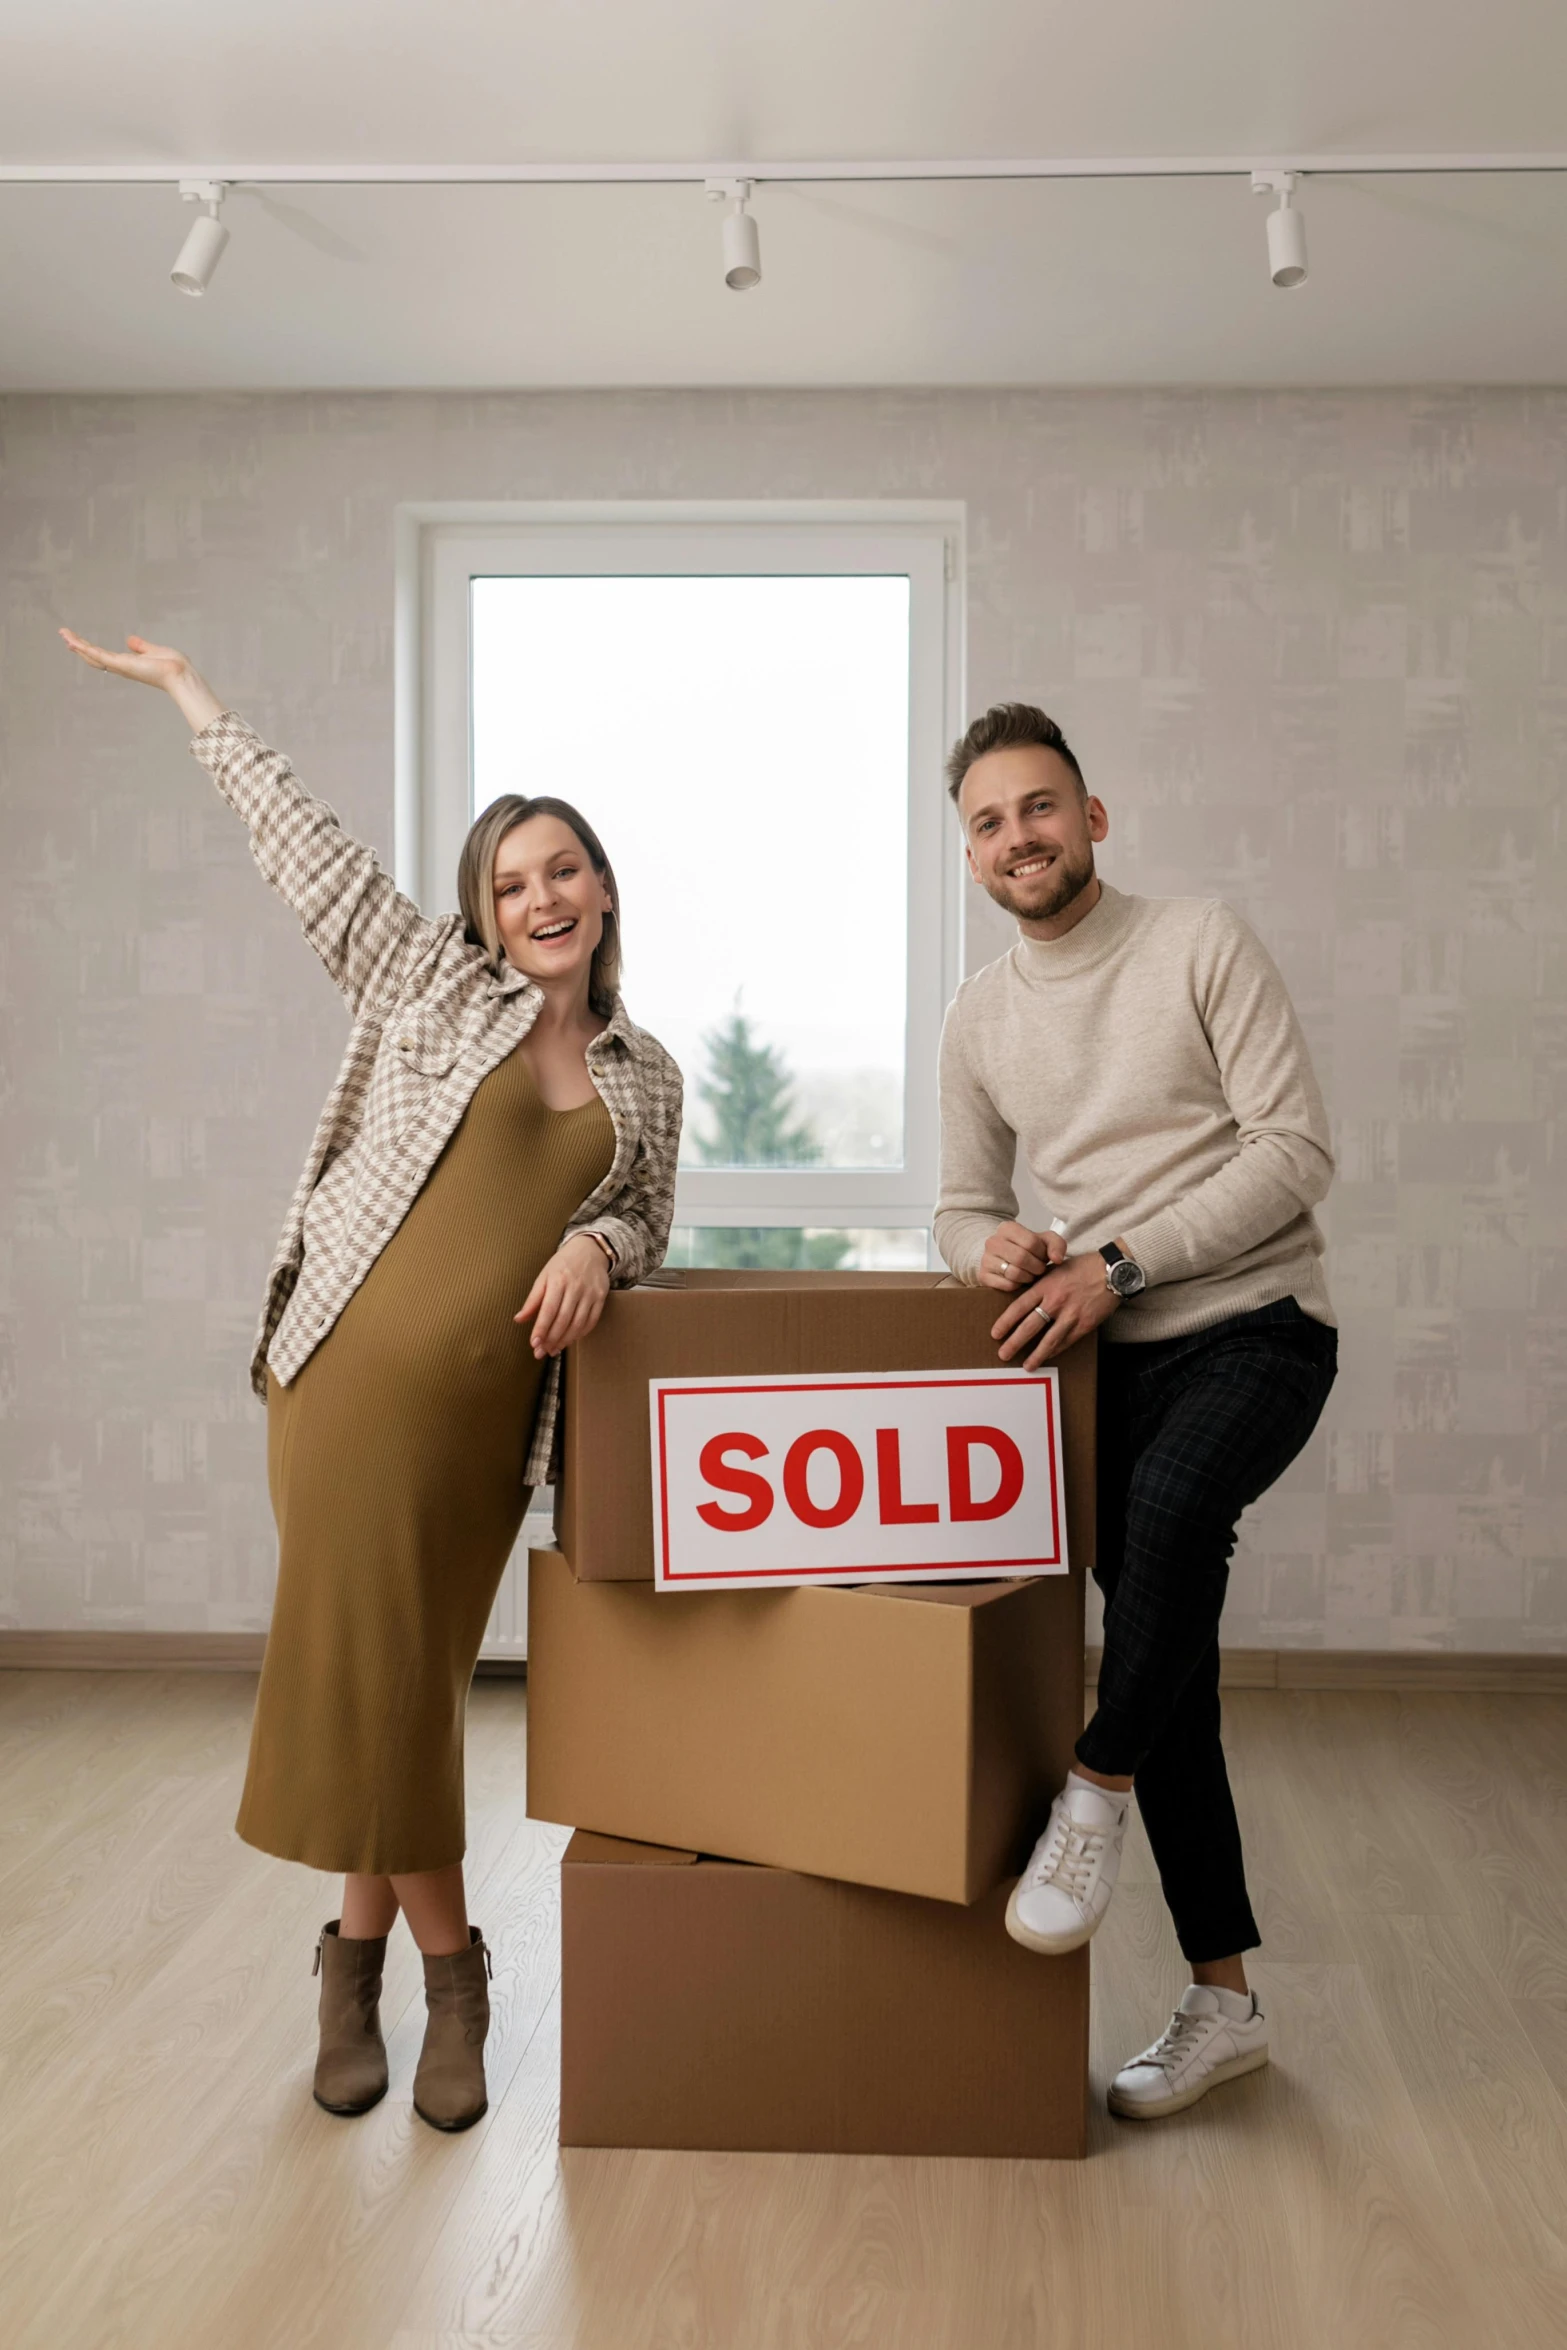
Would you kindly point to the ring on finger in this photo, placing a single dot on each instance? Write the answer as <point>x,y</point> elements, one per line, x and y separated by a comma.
<point>1047,1319</point>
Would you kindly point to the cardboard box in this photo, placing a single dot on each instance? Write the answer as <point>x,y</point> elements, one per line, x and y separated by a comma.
<point>732,1325</point>
<point>705,2004</point>
<point>906,1736</point>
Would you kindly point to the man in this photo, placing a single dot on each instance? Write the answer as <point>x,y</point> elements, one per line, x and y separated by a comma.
<point>1146,1056</point>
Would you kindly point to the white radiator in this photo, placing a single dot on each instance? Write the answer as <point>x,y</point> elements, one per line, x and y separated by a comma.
<point>506,1634</point>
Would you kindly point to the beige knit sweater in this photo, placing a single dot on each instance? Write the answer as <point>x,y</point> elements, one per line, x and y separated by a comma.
<point>1152,1067</point>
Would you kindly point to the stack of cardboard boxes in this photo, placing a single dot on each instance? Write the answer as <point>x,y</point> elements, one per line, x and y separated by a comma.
<point>799,1811</point>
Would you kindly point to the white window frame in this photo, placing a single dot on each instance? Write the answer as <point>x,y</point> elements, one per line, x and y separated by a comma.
<point>441,548</point>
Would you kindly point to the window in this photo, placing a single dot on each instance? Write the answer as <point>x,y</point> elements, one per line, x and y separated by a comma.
<point>751,707</point>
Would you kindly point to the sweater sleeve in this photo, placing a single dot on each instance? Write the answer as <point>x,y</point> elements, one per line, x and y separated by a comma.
<point>1283,1162</point>
<point>367,933</point>
<point>978,1154</point>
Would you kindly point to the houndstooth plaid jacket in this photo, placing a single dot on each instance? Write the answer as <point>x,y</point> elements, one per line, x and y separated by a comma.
<point>431,1018</point>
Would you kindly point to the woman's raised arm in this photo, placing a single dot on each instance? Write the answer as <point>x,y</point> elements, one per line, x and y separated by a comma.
<point>368,934</point>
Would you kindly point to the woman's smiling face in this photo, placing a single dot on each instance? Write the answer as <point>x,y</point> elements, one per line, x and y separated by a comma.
<point>549,902</point>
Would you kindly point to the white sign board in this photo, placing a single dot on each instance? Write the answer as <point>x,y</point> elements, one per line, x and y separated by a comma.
<point>869,1477</point>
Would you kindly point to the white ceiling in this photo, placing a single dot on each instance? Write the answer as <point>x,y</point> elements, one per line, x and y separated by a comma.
<point>1054,283</point>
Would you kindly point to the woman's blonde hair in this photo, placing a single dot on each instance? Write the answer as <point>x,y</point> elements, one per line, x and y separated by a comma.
<point>476,886</point>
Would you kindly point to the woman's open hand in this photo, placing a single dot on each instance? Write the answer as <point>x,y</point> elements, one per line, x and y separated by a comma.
<point>568,1296</point>
<point>158,665</point>
<point>148,664</point>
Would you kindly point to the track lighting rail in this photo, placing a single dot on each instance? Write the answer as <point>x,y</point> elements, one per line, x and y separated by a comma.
<point>1062,167</point>
<point>734,184</point>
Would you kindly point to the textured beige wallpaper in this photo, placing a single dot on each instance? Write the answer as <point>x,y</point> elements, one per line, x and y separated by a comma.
<point>1313,652</point>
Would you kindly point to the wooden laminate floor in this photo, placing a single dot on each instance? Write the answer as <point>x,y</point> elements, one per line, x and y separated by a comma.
<point>1399,2177</point>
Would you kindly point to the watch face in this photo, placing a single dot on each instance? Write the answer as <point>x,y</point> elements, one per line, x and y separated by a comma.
<point>1126,1279</point>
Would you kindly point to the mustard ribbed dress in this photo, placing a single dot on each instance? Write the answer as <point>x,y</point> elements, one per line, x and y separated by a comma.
<point>395,1460</point>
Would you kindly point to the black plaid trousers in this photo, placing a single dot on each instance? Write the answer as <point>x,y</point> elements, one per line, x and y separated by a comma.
<point>1190,1430</point>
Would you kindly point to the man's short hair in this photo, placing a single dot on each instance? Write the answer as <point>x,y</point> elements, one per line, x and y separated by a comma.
<point>1003,727</point>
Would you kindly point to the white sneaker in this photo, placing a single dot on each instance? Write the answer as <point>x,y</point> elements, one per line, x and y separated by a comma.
<point>1199,2048</point>
<point>1065,1890</point>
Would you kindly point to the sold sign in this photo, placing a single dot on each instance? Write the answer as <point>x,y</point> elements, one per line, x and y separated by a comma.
<point>924,1476</point>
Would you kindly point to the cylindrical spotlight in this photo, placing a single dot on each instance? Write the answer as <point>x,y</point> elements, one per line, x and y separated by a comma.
<point>742,251</point>
<point>1286,246</point>
<point>742,244</point>
<point>203,248</point>
<point>1286,228</point>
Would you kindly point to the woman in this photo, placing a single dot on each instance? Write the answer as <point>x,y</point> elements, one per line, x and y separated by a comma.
<point>498,1131</point>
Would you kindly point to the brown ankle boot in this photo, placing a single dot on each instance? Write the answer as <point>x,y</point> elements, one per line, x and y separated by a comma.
<point>449,2090</point>
<point>351,2067</point>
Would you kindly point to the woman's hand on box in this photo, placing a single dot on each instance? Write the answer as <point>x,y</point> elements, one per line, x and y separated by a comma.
<point>568,1297</point>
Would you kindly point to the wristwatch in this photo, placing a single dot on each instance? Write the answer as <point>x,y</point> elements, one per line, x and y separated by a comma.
<point>1121,1275</point>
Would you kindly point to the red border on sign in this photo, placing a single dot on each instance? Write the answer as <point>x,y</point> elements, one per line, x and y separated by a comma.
<point>922,1573</point>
